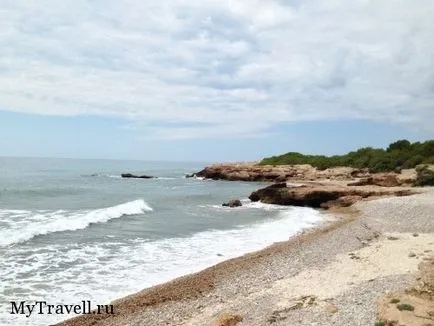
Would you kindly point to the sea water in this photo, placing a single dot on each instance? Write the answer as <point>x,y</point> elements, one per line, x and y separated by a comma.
<point>73,230</point>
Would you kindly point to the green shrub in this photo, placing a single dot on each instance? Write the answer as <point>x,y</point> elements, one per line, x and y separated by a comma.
<point>413,161</point>
<point>429,160</point>
<point>399,145</point>
<point>400,154</point>
<point>425,176</point>
<point>394,301</point>
<point>405,307</point>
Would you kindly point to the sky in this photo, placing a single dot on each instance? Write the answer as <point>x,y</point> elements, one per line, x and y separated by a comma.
<point>225,80</point>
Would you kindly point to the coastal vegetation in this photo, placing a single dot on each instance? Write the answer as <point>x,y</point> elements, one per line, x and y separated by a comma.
<point>401,154</point>
<point>405,307</point>
<point>425,176</point>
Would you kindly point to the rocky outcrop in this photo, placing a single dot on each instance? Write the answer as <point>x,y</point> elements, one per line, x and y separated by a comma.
<point>379,179</point>
<point>320,195</point>
<point>344,201</point>
<point>129,175</point>
<point>280,173</point>
<point>305,172</point>
<point>233,203</point>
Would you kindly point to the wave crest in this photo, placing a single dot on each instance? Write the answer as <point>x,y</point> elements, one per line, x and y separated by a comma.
<point>45,223</point>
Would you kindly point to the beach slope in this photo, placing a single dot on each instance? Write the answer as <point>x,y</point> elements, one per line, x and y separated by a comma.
<point>332,275</point>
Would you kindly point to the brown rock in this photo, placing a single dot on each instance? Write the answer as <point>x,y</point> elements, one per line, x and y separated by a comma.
<point>317,195</point>
<point>344,201</point>
<point>379,179</point>
<point>280,173</point>
<point>228,320</point>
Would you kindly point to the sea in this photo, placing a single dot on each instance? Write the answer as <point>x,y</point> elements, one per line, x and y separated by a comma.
<point>74,230</point>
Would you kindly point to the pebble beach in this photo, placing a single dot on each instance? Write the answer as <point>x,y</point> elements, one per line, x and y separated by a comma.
<point>331,275</point>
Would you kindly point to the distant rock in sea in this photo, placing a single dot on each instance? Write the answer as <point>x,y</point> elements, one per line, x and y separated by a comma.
<point>233,203</point>
<point>129,175</point>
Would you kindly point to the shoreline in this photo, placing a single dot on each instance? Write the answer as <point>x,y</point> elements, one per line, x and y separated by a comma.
<point>199,298</point>
<point>198,284</point>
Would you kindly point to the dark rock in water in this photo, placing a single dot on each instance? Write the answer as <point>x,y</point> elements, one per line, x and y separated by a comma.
<point>193,175</point>
<point>268,192</point>
<point>233,203</point>
<point>129,175</point>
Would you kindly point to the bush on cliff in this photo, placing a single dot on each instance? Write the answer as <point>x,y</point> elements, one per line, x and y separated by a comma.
<point>398,155</point>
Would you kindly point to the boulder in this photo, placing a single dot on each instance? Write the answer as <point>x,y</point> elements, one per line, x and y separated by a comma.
<point>319,195</point>
<point>344,201</point>
<point>268,194</point>
<point>233,203</point>
<point>129,175</point>
<point>228,320</point>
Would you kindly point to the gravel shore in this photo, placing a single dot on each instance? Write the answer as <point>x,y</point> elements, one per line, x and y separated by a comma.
<point>332,275</point>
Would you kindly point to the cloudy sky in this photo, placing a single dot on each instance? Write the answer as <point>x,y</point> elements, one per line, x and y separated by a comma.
<point>215,79</point>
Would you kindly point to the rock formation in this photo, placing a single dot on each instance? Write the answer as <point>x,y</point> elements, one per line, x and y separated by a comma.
<point>233,203</point>
<point>379,179</point>
<point>319,195</point>
<point>129,175</point>
<point>253,172</point>
<point>304,172</point>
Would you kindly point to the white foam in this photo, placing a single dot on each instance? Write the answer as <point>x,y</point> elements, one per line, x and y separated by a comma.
<point>106,271</point>
<point>27,224</point>
<point>113,176</point>
<point>247,204</point>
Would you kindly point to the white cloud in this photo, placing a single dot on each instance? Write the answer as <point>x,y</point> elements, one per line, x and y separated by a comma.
<point>219,68</point>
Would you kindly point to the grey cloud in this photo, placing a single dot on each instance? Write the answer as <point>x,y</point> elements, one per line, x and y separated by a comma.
<point>225,63</point>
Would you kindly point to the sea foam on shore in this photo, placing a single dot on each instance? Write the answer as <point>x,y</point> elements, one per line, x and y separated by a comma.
<point>106,271</point>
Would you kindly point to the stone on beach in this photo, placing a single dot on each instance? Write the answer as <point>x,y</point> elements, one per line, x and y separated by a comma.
<point>228,320</point>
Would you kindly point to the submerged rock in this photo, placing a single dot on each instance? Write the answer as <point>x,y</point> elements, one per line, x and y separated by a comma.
<point>129,175</point>
<point>233,203</point>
